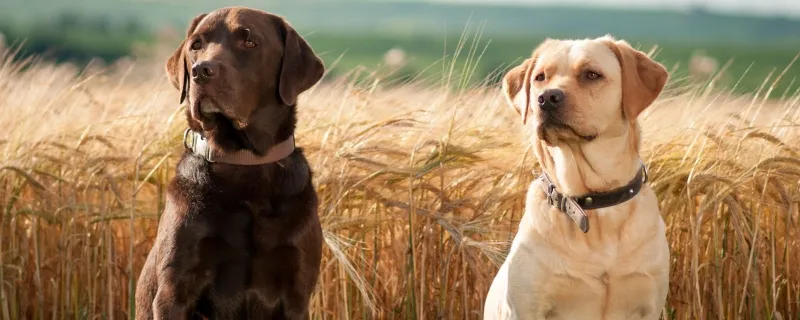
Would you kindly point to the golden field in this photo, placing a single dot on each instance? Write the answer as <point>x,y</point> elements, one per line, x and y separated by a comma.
<point>421,184</point>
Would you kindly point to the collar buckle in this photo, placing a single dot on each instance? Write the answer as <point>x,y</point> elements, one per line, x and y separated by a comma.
<point>575,207</point>
<point>186,140</point>
<point>198,145</point>
<point>556,199</point>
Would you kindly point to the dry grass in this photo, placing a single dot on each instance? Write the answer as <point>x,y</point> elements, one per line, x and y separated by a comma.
<point>421,188</point>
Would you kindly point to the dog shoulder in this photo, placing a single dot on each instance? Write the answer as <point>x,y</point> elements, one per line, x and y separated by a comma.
<point>295,175</point>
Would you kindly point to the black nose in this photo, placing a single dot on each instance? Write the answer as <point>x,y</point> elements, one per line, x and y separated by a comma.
<point>551,99</point>
<point>203,71</point>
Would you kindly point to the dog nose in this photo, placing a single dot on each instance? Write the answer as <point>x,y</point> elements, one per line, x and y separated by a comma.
<point>203,71</point>
<point>551,99</point>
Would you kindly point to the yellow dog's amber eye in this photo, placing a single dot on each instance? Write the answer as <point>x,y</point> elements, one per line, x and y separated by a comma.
<point>249,44</point>
<point>197,45</point>
<point>591,75</point>
<point>539,77</point>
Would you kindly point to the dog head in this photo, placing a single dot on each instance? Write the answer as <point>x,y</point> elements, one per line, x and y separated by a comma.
<point>242,68</point>
<point>582,90</point>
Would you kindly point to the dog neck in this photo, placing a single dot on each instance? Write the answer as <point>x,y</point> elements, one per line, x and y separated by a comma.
<point>196,143</point>
<point>579,167</point>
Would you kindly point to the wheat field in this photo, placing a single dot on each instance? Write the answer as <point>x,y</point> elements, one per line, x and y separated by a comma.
<point>421,184</point>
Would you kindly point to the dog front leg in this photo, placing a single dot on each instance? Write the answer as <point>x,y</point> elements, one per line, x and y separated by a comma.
<point>295,305</point>
<point>170,304</point>
<point>177,295</point>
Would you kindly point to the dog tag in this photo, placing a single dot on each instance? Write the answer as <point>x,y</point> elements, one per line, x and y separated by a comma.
<point>574,211</point>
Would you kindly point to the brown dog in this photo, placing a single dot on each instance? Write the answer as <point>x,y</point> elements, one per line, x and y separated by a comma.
<point>240,237</point>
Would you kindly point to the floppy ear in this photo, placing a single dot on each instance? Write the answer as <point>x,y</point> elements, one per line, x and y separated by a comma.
<point>300,69</point>
<point>177,70</point>
<point>516,82</point>
<point>642,78</point>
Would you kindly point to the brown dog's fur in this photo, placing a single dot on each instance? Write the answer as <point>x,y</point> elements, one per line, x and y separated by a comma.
<point>238,242</point>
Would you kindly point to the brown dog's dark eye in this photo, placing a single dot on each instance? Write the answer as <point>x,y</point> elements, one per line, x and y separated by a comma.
<point>591,75</point>
<point>249,44</point>
<point>539,77</point>
<point>197,45</point>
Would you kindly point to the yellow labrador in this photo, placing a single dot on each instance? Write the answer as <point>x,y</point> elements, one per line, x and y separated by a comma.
<point>591,243</point>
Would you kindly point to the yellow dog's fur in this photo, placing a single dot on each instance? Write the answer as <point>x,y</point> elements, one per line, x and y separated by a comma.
<point>620,268</point>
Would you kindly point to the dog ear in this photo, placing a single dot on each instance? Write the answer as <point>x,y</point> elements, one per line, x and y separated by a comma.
<point>642,78</point>
<point>177,70</point>
<point>301,68</point>
<point>516,82</point>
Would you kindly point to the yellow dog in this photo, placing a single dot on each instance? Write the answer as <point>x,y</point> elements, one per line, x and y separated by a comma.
<point>591,243</point>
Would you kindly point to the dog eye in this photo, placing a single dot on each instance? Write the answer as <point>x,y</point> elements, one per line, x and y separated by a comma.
<point>249,44</point>
<point>591,75</point>
<point>197,45</point>
<point>539,77</point>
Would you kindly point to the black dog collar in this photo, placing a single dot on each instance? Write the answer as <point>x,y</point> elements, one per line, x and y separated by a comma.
<point>574,206</point>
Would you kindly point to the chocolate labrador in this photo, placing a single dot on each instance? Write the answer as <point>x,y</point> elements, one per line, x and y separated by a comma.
<point>240,237</point>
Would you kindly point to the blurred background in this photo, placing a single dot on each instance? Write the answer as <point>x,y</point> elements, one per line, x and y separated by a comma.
<point>740,44</point>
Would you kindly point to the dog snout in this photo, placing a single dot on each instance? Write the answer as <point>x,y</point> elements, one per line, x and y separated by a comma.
<point>551,99</point>
<point>204,71</point>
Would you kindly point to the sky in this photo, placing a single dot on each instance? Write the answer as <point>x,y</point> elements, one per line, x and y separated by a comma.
<point>789,8</point>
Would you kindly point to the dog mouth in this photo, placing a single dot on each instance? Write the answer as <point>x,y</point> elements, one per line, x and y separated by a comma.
<point>208,111</point>
<point>556,126</point>
<point>199,107</point>
<point>208,107</point>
